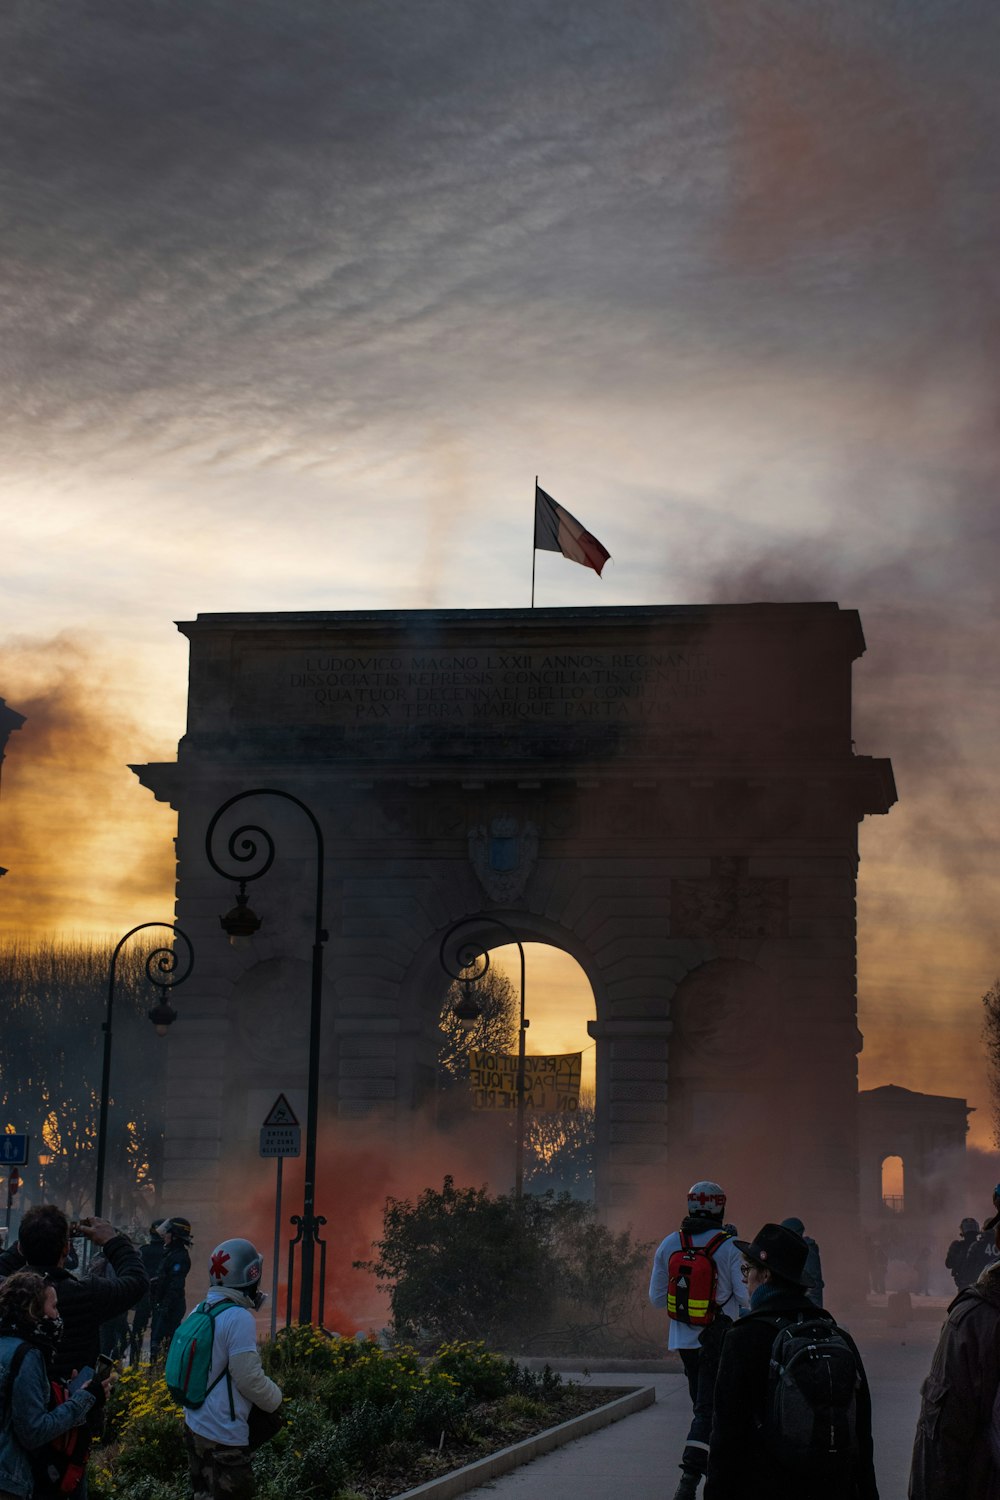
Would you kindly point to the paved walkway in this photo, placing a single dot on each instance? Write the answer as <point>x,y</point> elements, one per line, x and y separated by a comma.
<point>635,1459</point>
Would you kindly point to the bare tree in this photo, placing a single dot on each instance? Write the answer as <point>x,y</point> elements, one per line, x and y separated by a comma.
<point>53,1000</point>
<point>495,1031</point>
<point>559,1150</point>
<point>991,1036</point>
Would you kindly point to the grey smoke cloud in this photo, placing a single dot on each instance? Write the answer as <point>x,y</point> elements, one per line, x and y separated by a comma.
<point>250,227</point>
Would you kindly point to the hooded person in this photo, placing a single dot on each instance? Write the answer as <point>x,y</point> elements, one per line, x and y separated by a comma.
<point>216,1433</point>
<point>697,1277</point>
<point>956,1451</point>
<point>747,1459</point>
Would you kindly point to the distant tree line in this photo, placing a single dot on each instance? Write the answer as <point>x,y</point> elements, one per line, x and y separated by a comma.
<point>53,999</point>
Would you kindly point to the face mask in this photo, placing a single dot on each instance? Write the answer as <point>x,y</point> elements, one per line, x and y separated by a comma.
<point>48,1332</point>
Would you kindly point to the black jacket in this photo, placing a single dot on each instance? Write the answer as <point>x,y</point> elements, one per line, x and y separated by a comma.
<point>966,1259</point>
<point>174,1268</point>
<point>739,1464</point>
<point>151,1256</point>
<point>951,1453</point>
<point>87,1303</point>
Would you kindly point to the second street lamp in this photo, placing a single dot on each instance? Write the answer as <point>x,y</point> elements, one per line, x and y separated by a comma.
<point>460,960</point>
<point>160,962</point>
<point>251,845</point>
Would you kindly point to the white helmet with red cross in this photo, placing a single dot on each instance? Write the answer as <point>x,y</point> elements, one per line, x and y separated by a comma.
<point>236,1265</point>
<point>706,1200</point>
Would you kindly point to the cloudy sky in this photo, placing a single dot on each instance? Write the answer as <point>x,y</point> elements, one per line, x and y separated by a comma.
<point>297,297</point>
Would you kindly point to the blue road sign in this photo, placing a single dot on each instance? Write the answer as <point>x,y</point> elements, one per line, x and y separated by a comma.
<point>13,1150</point>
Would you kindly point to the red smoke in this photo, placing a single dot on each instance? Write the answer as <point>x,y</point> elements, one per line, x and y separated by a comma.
<point>359,1167</point>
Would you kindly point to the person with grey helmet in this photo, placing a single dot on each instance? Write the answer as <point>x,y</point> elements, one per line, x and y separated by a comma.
<point>697,1276</point>
<point>168,1288</point>
<point>216,1434</point>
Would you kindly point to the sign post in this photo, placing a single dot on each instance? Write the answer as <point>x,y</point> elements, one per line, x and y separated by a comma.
<point>13,1154</point>
<point>14,1150</point>
<point>280,1136</point>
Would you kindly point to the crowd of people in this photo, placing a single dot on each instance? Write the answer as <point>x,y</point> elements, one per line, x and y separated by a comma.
<point>62,1333</point>
<point>781,1407</point>
<point>780,1402</point>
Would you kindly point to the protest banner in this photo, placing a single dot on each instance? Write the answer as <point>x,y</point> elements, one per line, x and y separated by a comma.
<point>551,1084</point>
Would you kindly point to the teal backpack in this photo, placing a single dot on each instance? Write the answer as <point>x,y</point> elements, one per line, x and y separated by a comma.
<point>189,1358</point>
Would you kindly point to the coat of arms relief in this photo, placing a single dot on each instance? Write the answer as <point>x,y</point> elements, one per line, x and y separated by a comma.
<point>503,854</point>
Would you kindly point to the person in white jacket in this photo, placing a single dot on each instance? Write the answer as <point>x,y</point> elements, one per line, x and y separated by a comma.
<point>699,1342</point>
<point>216,1433</point>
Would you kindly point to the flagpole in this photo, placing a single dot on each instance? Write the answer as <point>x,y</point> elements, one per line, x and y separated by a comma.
<point>534,549</point>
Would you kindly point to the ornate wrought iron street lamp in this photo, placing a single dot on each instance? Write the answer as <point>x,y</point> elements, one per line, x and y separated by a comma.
<point>252,845</point>
<point>160,962</point>
<point>464,965</point>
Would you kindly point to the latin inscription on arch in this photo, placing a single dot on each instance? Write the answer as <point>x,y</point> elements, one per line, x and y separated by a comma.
<point>478,687</point>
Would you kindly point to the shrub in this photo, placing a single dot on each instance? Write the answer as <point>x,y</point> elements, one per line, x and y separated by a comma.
<point>354,1403</point>
<point>460,1264</point>
<point>140,1394</point>
<point>153,1448</point>
<point>473,1368</point>
<point>433,1410</point>
<point>540,1385</point>
<point>308,1467</point>
<point>523,1406</point>
<point>100,1486</point>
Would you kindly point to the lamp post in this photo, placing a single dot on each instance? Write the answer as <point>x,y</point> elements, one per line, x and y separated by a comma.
<point>240,924</point>
<point>159,961</point>
<point>467,955</point>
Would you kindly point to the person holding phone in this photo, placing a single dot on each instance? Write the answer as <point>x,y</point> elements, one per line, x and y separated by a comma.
<point>30,1332</point>
<point>84,1302</point>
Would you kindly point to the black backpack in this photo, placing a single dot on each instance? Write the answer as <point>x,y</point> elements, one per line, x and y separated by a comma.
<point>811,1419</point>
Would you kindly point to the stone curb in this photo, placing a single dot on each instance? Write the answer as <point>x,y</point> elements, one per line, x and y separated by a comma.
<point>495,1464</point>
<point>597,1364</point>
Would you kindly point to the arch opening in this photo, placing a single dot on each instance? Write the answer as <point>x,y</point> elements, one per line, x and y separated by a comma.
<point>477,1071</point>
<point>893,1184</point>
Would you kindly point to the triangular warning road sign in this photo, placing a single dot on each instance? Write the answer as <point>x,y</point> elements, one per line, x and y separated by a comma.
<point>281,1113</point>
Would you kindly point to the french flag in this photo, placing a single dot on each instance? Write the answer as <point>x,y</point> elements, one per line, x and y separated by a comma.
<point>557,531</point>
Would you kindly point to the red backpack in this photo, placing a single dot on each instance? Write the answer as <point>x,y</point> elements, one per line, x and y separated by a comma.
<point>58,1466</point>
<point>692,1279</point>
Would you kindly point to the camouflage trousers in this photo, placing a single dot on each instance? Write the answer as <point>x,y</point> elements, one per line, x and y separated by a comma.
<point>218,1472</point>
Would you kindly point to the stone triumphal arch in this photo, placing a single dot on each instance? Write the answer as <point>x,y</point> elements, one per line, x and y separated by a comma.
<point>671,794</point>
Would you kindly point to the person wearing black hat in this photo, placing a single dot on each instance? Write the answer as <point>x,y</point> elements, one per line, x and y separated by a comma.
<point>956,1436</point>
<point>744,1462</point>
